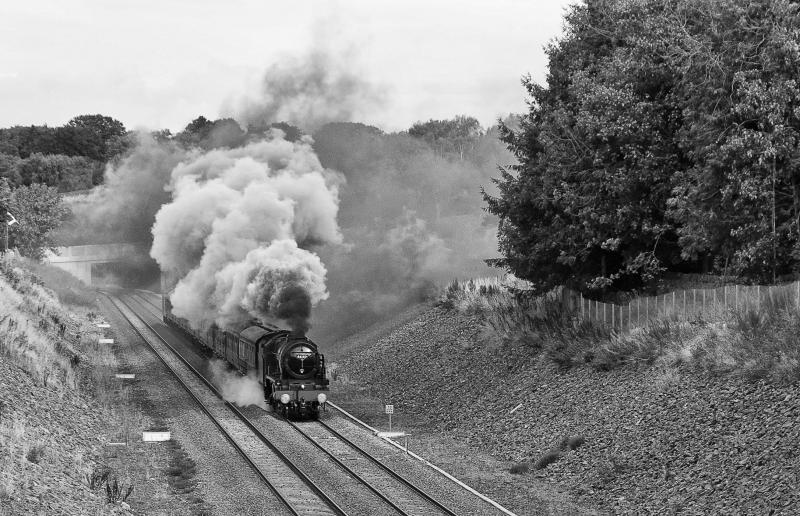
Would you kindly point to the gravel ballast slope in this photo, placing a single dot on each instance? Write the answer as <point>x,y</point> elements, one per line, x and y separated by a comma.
<point>694,444</point>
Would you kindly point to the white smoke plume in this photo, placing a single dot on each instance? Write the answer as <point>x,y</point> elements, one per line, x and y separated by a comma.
<point>235,388</point>
<point>237,233</point>
<point>310,91</point>
<point>123,208</point>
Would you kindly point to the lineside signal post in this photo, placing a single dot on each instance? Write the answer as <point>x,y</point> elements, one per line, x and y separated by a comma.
<point>390,411</point>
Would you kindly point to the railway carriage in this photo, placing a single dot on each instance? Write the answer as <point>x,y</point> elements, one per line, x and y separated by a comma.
<point>289,366</point>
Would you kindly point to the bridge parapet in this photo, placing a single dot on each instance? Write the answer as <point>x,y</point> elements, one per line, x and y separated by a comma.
<point>78,259</point>
<point>97,252</point>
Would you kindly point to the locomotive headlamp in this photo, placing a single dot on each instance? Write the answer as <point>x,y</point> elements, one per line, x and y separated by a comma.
<point>321,397</point>
<point>285,399</point>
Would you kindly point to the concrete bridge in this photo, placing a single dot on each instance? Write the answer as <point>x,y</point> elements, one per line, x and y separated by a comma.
<point>79,259</point>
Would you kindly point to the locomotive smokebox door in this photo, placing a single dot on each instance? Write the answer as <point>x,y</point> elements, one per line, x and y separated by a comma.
<point>298,357</point>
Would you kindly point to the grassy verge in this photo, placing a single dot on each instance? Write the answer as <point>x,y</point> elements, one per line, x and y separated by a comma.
<point>48,330</point>
<point>752,343</point>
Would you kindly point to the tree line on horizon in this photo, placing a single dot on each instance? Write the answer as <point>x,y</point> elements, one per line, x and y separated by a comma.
<point>665,139</point>
<point>39,163</point>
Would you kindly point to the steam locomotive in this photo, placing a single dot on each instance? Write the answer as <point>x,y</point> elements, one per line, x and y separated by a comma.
<point>289,366</point>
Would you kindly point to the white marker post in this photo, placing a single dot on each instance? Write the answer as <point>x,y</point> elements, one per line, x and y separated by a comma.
<point>390,411</point>
<point>156,437</point>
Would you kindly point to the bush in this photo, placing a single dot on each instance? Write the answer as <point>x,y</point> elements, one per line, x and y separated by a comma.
<point>35,453</point>
<point>548,458</point>
<point>520,468</point>
<point>116,492</point>
<point>572,443</point>
<point>97,477</point>
<point>757,344</point>
<point>182,470</point>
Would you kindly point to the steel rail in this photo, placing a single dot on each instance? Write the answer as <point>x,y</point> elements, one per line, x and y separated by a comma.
<point>389,470</point>
<point>306,480</point>
<point>202,406</point>
<point>329,454</point>
<point>361,451</point>
<point>346,468</point>
<point>143,297</point>
<point>348,416</point>
<point>310,483</point>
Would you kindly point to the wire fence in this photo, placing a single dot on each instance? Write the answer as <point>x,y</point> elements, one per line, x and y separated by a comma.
<point>694,304</point>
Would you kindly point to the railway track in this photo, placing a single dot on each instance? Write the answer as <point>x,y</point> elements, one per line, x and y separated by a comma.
<point>396,494</point>
<point>402,495</point>
<point>294,489</point>
<point>370,469</point>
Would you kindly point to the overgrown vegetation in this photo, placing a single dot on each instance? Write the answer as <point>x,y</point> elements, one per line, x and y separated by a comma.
<point>182,470</point>
<point>38,210</point>
<point>116,492</point>
<point>547,458</point>
<point>753,343</point>
<point>665,138</point>
<point>56,348</point>
<point>68,289</point>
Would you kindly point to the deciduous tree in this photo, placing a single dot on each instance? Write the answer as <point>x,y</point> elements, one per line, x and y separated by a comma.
<point>666,137</point>
<point>39,210</point>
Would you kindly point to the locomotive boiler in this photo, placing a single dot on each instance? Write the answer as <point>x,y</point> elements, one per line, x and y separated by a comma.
<point>289,366</point>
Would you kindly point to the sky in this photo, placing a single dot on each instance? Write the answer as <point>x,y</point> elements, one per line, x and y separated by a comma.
<point>156,64</point>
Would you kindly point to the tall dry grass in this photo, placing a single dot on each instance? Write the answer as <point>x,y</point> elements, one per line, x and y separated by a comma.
<point>68,289</point>
<point>48,329</point>
<point>755,341</point>
<point>47,336</point>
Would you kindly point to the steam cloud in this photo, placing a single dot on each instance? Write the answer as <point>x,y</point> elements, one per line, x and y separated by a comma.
<point>309,92</point>
<point>248,228</point>
<point>411,217</point>
<point>237,232</point>
<point>123,208</point>
<point>242,390</point>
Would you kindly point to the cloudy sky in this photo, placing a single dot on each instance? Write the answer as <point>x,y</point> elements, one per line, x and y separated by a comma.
<point>160,63</point>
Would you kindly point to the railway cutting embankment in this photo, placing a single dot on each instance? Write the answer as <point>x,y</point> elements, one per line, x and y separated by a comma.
<point>53,424</point>
<point>631,439</point>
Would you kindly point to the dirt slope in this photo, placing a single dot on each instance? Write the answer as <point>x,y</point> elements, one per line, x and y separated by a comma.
<point>654,443</point>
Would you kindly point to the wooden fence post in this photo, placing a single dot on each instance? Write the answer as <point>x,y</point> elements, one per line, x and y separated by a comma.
<point>736,297</point>
<point>684,306</point>
<point>639,304</point>
<point>715,301</point>
<point>703,311</point>
<point>758,298</point>
<point>581,297</point>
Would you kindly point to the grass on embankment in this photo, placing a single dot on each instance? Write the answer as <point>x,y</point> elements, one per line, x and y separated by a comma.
<point>754,344</point>
<point>47,333</point>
